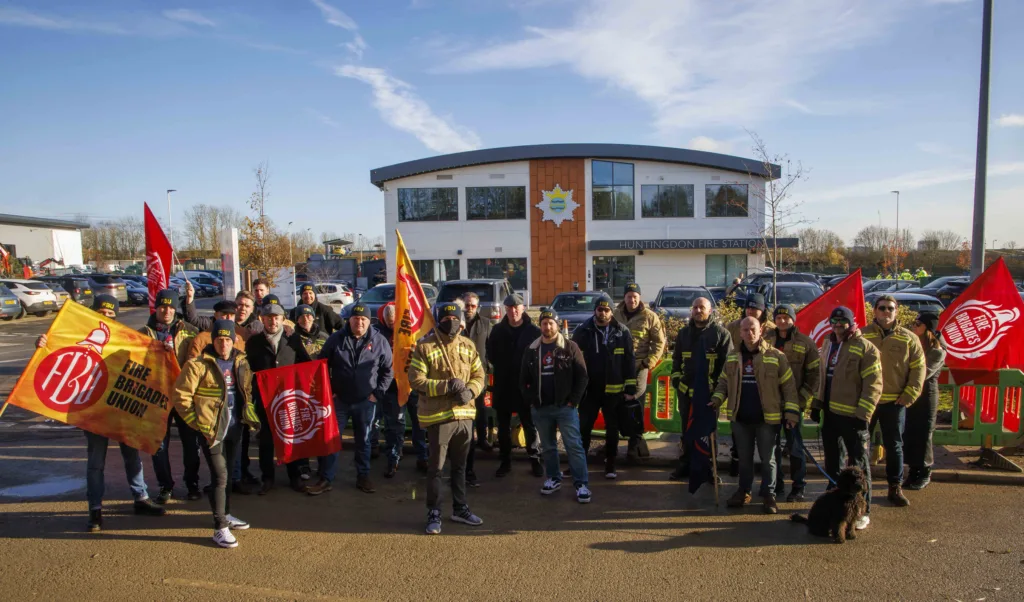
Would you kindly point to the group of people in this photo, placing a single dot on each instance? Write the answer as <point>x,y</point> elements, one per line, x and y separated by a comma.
<point>920,274</point>
<point>762,375</point>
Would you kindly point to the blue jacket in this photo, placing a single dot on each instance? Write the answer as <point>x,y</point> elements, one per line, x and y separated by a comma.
<point>358,368</point>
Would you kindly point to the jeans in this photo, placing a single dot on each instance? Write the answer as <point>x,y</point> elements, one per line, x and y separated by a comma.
<point>745,436</point>
<point>96,453</point>
<point>418,434</point>
<point>505,433</point>
<point>608,405</point>
<point>448,440</point>
<point>797,462</point>
<point>220,494</point>
<point>394,426</point>
<point>565,419</point>
<point>917,434</point>
<point>374,437</point>
<point>189,451</point>
<point>891,417</point>
<point>361,413</point>
<point>853,432</point>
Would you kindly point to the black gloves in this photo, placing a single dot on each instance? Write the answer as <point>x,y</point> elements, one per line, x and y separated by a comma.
<point>456,386</point>
<point>816,415</point>
<point>466,396</point>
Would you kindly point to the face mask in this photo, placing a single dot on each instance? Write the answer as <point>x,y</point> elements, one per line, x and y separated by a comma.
<point>449,327</point>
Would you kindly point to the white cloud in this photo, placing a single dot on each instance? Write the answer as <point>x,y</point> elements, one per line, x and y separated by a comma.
<point>402,109</point>
<point>911,181</point>
<point>184,15</point>
<point>334,16</point>
<point>1009,120</point>
<point>22,18</point>
<point>695,61</point>
<point>704,143</point>
<point>324,119</point>
<point>941,150</point>
<point>356,46</point>
<point>829,108</point>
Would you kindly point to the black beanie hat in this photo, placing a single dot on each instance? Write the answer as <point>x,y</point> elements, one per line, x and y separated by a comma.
<point>930,320</point>
<point>106,302</point>
<point>548,313</point>
<point>447,310</point>
<point>843,313</point>
<point>224,328</point>
<point>632,287</point>
<point>304,310</point>
<point>603,301</point>
<point>755,301</point>
<point>307,287</point>
<point>225,306</point>
<point>359,310</point>
<point>784,309</point>
<point>167,298</point>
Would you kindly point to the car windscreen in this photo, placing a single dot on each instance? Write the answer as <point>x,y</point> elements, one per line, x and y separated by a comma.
<point>451,292</point>
<point>575,302</point>
<point>103,279</point>
<point>37,286</point>
<point>797,295</point>
<point>5,291</point>
<point>680,298</point>
<point>922,306</point>
<point>379,294</point>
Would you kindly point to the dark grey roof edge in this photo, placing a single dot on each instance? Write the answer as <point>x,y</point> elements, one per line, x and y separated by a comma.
<point>7,219</point>
<point>559,151</point>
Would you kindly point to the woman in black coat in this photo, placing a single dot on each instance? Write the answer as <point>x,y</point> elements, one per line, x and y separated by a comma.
<point>920,421</point>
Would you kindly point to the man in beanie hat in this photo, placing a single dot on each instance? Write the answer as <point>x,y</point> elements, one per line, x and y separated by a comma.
<point>246,317</point>
<point>554,381</point>
<point>277,346</point>
<point>506,346</point>
<point>607,348</point>
<point>849,388</point>
<point>359,364</point>
<point>223,310</point>
<point>802,354</point>
<point>96,450</point>
<point>166,326</point>
<point>325,317</point>
<point>447,372</point>
<point>213,394</point>
<point>649,338</point>
<point>312,335</point>
<point>753,308</point>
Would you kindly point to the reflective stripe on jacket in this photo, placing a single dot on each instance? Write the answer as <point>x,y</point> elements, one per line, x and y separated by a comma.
<point>200,393</point>
<point>616,375</point>
<point>775,384</point>
<point>856,380</point>
<point>648,334</point>
<point>802,354</point>
<point>717,345</point>
<point>902,358</point>
<point>434,363</point>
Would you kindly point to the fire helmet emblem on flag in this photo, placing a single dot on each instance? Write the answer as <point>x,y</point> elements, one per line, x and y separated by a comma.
<point>976,328</point>
<point>821,331</point>
<point>298,415</point>
<point>416,309</point>
<point>74,378</point>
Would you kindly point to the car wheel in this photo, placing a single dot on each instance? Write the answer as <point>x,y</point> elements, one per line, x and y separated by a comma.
<point>8,318</point>
<point>40,314</point>
<point>20,314</point>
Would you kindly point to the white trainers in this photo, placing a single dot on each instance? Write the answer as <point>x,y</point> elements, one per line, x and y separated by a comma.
<point>862,522</point>
<point>224,538</point>
<point>237,524</point>
<point>550,486</point>
<point>583,494</point>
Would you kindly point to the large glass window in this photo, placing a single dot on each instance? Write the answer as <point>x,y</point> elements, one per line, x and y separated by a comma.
<point>428,204</point>
<point>612,190</point>
<point>721,270</point>
<point>512,268</point>
<point>434,271</point>
<point>496,202</point>
<point>725,200</point>
<point>612,273</point>
<point>675,200</point>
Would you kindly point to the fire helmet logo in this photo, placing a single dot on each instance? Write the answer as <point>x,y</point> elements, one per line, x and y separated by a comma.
<point>72,379</point>
<point>416,308</point>
<point>822,330</point>
<point>976,328</point>
<point>298,415</point>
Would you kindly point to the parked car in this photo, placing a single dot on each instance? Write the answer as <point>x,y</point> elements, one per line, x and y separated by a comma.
<point>138,294</point>
<point>36,297</point>
<point>59,292</point>
<point>913,301</point>
<point>214,286</point>
<point>932,288</point>
<point>951,290</point>
<point>332,293</point>
<point>832,281</point>
<point>492,293</point>
<point>794,293</point>
<point>575,307</point>
<point>107,284</point>
<point>382,294</point>
<point>753,282</point>
<point>10,305</point>
<point>76,286</point>
<point>675,301</point>
<point>136,278</point>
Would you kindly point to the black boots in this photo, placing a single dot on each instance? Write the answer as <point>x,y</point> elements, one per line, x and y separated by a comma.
<point>918,479</point>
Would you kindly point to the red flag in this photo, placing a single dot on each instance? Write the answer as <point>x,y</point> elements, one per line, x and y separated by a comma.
<point>813,319</point>
<point>158,257</point>
<point>982,327</point>
<point>299,408</point>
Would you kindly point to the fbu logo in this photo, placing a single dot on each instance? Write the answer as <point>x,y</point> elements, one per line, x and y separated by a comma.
<point>73,378</point>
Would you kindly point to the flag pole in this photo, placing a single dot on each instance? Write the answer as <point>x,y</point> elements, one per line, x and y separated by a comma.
<point>714,461</point>
<point>4,407</point>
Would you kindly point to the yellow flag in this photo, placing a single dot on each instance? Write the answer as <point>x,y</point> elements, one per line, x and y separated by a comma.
<point>102,377</point>
<point>413,317</point>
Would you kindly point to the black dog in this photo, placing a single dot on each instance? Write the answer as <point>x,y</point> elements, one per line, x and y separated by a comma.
<point>835,512</point>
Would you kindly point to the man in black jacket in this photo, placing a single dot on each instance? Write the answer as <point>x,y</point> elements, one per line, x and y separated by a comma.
<point>324,316</point>
<point>505,348</point>
<point>607,347</point>
<point>478,329</point>
<point>702,347</point>
<point>246,317</point>
<point>553,381</point>
<point>277,346</point>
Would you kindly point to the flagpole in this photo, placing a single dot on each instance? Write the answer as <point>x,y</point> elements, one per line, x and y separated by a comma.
<point>4,408</point>
<point>714,460</point>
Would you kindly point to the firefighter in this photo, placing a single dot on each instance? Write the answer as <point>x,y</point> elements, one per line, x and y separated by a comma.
<point>648,334</point>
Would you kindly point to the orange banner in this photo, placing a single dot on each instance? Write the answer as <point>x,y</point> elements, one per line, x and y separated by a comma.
<point>102,377</point>
<point>413,318</point>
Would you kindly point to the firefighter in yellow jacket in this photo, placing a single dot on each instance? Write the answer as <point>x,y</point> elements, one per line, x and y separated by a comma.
<point>760,389</point>
<point>446,371</point>
<point>903,372</point>
<point>649,341</point>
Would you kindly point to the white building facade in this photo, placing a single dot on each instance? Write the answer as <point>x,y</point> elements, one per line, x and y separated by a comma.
<point>42,238</point>
<point>552,218</point>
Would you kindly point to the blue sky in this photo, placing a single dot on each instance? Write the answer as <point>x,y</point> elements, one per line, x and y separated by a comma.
<point>108,103</point>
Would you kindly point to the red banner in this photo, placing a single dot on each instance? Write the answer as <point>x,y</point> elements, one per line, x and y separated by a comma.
<point>299,408</point>
<point>813,319</point>
<point>982,326</point>
<point>158,257</point>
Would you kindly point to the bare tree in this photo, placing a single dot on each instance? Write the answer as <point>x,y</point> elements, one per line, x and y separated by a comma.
<point>1010,245</point>
<point>941,240</point>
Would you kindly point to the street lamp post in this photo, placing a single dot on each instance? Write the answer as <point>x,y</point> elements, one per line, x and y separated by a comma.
<point>897,239</point>
<point>291,263</point>
<point>981,160</point>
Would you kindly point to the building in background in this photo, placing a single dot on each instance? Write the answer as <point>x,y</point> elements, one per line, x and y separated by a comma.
<point>42,238</point>
<point>552,218</point>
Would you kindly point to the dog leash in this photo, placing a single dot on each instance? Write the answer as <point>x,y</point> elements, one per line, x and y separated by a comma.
<point>798,438</point>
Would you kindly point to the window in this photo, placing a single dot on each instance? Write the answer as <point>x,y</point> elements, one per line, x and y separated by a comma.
<point>512,268</point>
<point>725,200</point>
<point>721,270</point>
<point>667,201</point>
<point>432,271</point>
<point>612,274</point>
<point>612,190</point>
<point>428,204</point>
<point>496,202</point>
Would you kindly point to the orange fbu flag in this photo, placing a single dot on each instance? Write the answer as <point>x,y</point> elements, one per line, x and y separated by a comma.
<point>413,318</point>
<point>102,377</point>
